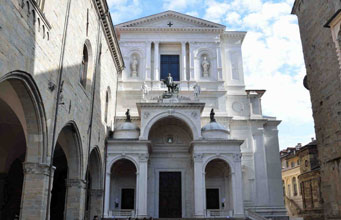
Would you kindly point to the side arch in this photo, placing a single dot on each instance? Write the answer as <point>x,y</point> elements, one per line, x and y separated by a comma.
<point>120,157</point>
<point>34,118</point>
<point>221,157</point>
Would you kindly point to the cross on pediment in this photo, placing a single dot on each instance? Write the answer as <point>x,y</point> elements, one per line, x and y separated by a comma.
<point>170,24</point>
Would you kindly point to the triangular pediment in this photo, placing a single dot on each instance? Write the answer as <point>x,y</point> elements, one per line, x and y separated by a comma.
<point>170,19</point>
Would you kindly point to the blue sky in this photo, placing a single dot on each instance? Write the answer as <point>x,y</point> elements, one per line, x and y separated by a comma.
<point>272,52</point>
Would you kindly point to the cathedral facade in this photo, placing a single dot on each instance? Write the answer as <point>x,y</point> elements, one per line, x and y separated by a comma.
<point>193,142</point>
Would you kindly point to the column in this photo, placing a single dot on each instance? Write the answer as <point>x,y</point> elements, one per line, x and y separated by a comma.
<point>184,57</point>
<point>142,186</point>
<point>156,61</point>
<point>35,191</point>
<point>191,62</point>
<point>107,194</point>
<point>219,68</point>
<point>237,187</point>
<point>75,201</point>
<point>148,61</point>
<point>199,186</point>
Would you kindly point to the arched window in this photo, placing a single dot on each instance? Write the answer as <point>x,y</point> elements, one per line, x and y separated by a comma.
<point>294,186</point>
<point>84,69</point>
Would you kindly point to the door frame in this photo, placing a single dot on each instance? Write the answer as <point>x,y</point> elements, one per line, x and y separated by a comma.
<point>157,182</point>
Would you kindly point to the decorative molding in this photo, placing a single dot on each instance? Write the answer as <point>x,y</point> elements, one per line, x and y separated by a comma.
<point>237,157</point>
<point>161,29</point>
<point>143,157</point>
<point>37,168</point>
<point>172,14</point>
<point>109,30</point>
<point>197,157</point>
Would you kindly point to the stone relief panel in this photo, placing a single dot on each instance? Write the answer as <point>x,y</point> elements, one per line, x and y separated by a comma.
<point>234,55</point>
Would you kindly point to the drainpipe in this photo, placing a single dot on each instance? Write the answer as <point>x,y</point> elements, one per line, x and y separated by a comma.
<point>59,89</point>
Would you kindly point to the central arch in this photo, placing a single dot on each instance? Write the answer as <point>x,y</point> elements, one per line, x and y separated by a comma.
<point>195,129</point>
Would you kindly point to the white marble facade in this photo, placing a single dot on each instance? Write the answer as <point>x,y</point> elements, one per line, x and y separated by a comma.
<point>238,155</point>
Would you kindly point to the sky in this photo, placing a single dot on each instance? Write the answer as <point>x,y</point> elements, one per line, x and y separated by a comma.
<point>272,52</point>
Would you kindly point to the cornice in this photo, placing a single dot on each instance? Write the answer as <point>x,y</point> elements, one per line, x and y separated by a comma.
<point>171,105</point>
<point>109,31</point>
<point>168,29</point>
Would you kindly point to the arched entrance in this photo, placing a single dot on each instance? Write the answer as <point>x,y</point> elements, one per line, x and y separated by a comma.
<point>170,170</point>
<point>12,156</point>
<point>68,187</point>
<point>123,188</point>
<point>93,206</point>
<point>21,119</point>
<point>218,189</point>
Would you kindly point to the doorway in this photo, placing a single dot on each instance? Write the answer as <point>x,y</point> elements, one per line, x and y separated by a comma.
<point>170,195</point>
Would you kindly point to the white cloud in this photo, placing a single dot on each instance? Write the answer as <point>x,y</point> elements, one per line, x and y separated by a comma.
<point>179,5</point>
<point>233,18</point>
<point>216,10</point>
<point>193,13</point>
<point>124,10</point>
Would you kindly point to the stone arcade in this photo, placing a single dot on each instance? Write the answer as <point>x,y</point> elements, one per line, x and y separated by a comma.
<point>171,159</point>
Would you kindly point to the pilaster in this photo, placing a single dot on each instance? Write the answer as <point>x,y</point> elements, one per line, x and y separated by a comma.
<point>107,194</point>
<point>262,187</point>
<point>191,62</point>
<point>148,61</point>
<point>156,61</point>
<point>142,186</point>
<point>199,186</point>
<point>184,64</point>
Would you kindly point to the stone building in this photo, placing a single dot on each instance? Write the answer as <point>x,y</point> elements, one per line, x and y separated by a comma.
<point>310,182</point>
<point>59,62</point>
<point>291,170</point>
<point>319,23</point>
<point>166,157</point>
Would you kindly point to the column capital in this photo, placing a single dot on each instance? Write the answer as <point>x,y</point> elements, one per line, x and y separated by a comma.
<point>237,157</point>
<point>37,168</point>
<point>79,183</point>
<point>143,157</point>
<point>197,157</point>
<point>156,42</point>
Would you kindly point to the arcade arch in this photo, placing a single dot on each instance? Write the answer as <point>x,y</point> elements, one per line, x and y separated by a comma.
<point>23,142</point>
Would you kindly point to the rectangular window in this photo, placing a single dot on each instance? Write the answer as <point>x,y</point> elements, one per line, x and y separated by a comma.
<point>170,64</point>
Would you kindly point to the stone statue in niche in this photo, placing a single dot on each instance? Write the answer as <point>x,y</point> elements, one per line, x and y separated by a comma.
<point>134,66</point>
<point>197,91</point>
<point>145,91</point>
<point>205,66</point>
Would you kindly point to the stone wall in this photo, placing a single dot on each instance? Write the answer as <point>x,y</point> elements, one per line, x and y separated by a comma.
<point>324,85</point>
<point>45,44</point>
